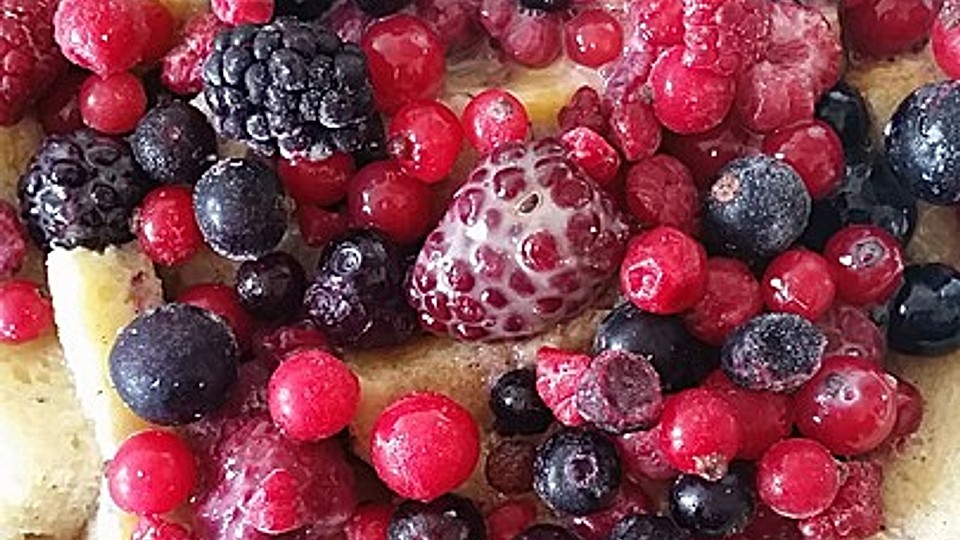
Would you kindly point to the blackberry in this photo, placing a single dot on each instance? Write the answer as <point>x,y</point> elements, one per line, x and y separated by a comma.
<point>546,531</point>
<point>647,527</point>
<point>775,352</point>
<point>450,517</point>
<point>80,191</point>
<point>546,5</point>
<point>517,406</point>
<point>380,8</point>
<point>306,10</point>
<point>925,312</point>
<point>577,471</point>
<point>174,143</point>
<point>291,86</point>
<point>356,298</point>
<point>272,286</point>
<point>721,508</point>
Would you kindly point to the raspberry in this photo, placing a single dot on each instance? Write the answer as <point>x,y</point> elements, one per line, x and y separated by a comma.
<point>945,40</point>
<point>425,138</point>
<point>798,478</point>
<point>857,511</point>
<point>25,313</point>
<point>850,332</point>
<point>764,417</point>
<point>724,36</point>
<point>664,271</point>
<point>877,28</point>
<point>634,128</point>
<point>271,347</point>
<point>31,60</point>
<point>455,21</point>
<point>531,37</point>
<point>732,297</point>
<point>313,395</point>
<point>688,100</point>
<point>593,38</point>
<point>104,36</point>
<point>583,110</point>
<point>626,78</point>
<point>660,191</point>
<point>236,12</point>
<point>700,433</point>
<point>405,61</point>
<point>113,104</point>
<point>494,117</point>
<point>642,456</point>
<point>593,154</point>
<point>526,242</point>
<point>162,29</point>
<point>13,241</point>
<point>659,22</point>
<point>558,378</point>
<point>182,69</point>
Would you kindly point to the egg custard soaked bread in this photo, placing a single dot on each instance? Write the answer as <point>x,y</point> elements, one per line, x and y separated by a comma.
<point>247,472</point>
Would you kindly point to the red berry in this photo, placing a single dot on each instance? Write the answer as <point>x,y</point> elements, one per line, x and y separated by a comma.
<point>405,60</point>
<point>156,528</point>
<point>182,69</point>
<point>634,129</point>
<point>162,29</point>
<point>643,458</point>
<point>910,407</point>
<point>850,332</point>
<point>867,264</point>
<point>322,182</point>
<point>764,417</point>
<point>626,78</point>
<point>112,105</point>
<point>509,519</point>
<point>799,281</point>
<point>798,478</point>
<point>664,271</point>
<point>425,138</point>
<point>583,110</point>
<point>699,433</point>
<point>688,100</point>
<point>370,522</point>
<point>25,314</point>
<point>732,297</point>
<point>630,500</point>
<point>30,59</point>
<point>313,395</point>
<point>103,36</point>
<point>593,38</point>
<point>383,197</point>
<point>724,36</point>
<point>850,405</point>
<point>405,440</point>
<point>494,117</point>
<point>945,42</point>
<point>814,150</point>
<point>659,22</point>
<point>620,392</point>
<point>166,226</point>
<point>593,154</point>
<point>559,374</point>
<point>13,241</point>
<point>153,472</point>
<point>237,12</point>
<point>319,226</point>
<point>533,38</point>
<point>706,153</point>
<point>271,347</point>
<point>222,300</point>
<point>660,191</point>
<point>59,111</point>
<point>881,28</point>
<point>856,512</point>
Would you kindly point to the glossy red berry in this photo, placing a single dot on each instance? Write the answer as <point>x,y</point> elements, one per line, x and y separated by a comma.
<point>798,478</point>
<point>509,519</point>
<point>405,59</point>
<point>910,405</point>
<point>700,433</point>
<point>112,105</point>
<point>867,264</point>
<point>732,297</point>
<point>236,12</point>
<point>945,43</point>
<point>688,100</point>
<point>814,150</point>
<point>405,442</point>
<point>593,154</point>
<point>593,38</point>
<point>370,522</point>
<point>494,117</point>
<point>153,472</point>
<point>850,405</point>
<point>425,137</point>
<point>25,314</point>
<point>222,300</point>
<point>851,332</point>
<point>635,129</point>
<point>383,197</point>
<point>318,226</point>
<point>321,182</point>
<point>664,271</point>
<point>660,191</point>
<point>764,417</point>
<point>157,528</point>
<point>162,29</point>
<point>312,395</point>
<point>103,36</point>
<point>800,282</point>
<point>881,28</point>
<point>166,226</point>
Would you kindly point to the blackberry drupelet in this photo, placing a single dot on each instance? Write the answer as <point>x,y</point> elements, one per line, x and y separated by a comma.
<point>174,143</point>
<point>306,10</point>
<point>291,86</point>
<point>80,191</point>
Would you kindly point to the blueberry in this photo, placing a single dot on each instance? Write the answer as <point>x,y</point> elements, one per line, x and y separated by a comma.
<point>546,531</point>
<point>647,527</point>
<point>175,364</point>
<point>450,517</point>
<point>620,392</point>
<point>240,208</point>
<point>756,209</point>
<point>517,406</point>
<point>844,108</point>
<point>923,142</point>
<point>680,360</point>
<point>577,471</point>
<point>925,312</point>
<point>305,10</point>
<point>272,286</point>
<point>721,508</point>
<point>775,352</point>
<point>173,143</point>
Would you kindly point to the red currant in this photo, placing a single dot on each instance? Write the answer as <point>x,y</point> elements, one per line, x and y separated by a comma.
<point>798,478</point>
<point>312,395</point>
<point>153,472</point>
<point>236,12</point>
<point>688,100</point>
<point>660,22</point>
<point>593,154</point>
<point>882,28</point>
<point>593,38</point>
<point>383,197</point>
<point>850,405</point>
<point>814,150</point>
<point>732,297</point>
<point>867,264</point>
<point>167,227</point>
<point>664,271</point>
<point>699,432</point>
<point>945,42</point>
<point>799,281</point>
<point>25,314</point>
<point>494,117</point>
<point>112,105</point>
<point>222,300</point>
<point>156,528</point>
<point>706,153</point>
<point>764,417</point>
<point>509,519</point>
<point>425,138</point>
<point>910,406</point>
<point>370,522</point>
<point>319,226</point>
<point>322,182</point>
<point>405,440</point>
<point>660,191</point>
<point>405,59</point>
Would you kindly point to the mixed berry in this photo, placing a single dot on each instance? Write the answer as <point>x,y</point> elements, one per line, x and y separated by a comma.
<point>720,176</point>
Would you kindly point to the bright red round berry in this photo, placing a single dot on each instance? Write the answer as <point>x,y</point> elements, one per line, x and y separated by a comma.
<point>664,271</point>
<point>166,226</point>
<point>162,28</point>
<point>222,300</point>
<point>405,59</point>
<point>945,43</point>
<point>800,282</point>
<point>494,117</point>
<point>699,432</point>
<point>370,522</point>
<point>383,197</point>
<point>814,150</point>
<point>103,36</point>
<point>25,314</point>
<point>157,528</point>
<point>850,405</point>
<point>882,28</point>
<point>660,191</point>
<point>910,407</point>
<point>688,100</point>
<point>322,182</point>
<point>593,154</point>
<point>237,12</point>
<point>732,297</point>
<point>153,472</point>
<point>764,417</point>
<point>112,105</point>
<point>798,478</point>
<point>867,264</point>
<point>425,138</point>
<point>593,38</point>
<point>313,395</point>
<point>406,439</point>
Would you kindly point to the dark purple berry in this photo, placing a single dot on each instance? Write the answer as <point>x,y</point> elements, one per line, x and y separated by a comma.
<point>577,471</point>
<point>647,527</point>
<point>174,144</point>
<point>620,392</point>
<point>721,508</point>
<point>925,312</point>
<point>546,531</point>
<point>844,108</point>
<point>272,286</point>
<point>451,517</point>
<point>775,352</point>
<point>509,467</point>
<point>517,406</point>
